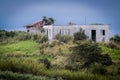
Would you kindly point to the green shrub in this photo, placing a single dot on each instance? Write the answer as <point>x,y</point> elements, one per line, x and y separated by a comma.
<point>116,38</point>
<point>112,45</point>
<point>114,70</point>
<point>6,75</point>
<point>63,38</point>
<point>99,69</point>
<point>15,36</point>
<point>21,65</point>
<point>80,35</point>
<point>41,48</point>
<point>46,62</point>
<point>55,43</point>
<point>7,36</point>
<point>35,37</point>
<point>42,38</point>
<point>87,53</point>
<point>74,62</point>
<point>4,33</point>
<point>57,37</point>
<point>71,75</point>
<point>22,36</point>
<point>105,59</point>
<point>118,69</point>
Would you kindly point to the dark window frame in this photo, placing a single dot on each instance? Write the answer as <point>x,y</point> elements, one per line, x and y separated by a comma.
<point>103,32</point>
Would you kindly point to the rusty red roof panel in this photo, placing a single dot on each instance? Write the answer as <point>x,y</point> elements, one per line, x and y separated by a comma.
<point>36,24</point>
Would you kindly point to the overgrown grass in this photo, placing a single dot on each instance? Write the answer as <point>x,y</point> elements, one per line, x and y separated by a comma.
<point>28,66</point>
<point>7,75</point>
<point>75,75</point>
<point>22,65</point>
<point>23,57</point>
<point>114,53</point>
<point>22,46</point>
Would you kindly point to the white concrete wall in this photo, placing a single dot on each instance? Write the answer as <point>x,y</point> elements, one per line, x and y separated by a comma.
<point>49,31</point>
<point>34,31</point>
<point>54,30</point>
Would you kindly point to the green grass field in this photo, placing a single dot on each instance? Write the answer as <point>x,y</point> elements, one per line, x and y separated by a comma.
<point>22,47</point>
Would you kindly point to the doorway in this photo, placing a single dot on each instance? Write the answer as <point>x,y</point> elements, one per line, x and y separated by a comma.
<point>93,35</point>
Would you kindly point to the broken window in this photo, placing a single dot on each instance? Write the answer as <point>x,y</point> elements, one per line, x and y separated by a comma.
<point>93,35</point>
<point>64,32</point>
<point>103,32</point>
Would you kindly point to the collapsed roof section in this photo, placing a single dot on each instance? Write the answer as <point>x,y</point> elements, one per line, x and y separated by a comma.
<point>36,25</point>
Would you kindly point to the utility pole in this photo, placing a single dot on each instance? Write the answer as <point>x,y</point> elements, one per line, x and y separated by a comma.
<point>85,20</point>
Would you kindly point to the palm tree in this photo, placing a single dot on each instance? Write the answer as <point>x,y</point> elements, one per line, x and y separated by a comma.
<point>45,20</point>
<point>51,20</point>
<point>48,21</point>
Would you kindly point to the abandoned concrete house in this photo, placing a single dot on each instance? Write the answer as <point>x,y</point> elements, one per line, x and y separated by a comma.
<point>95,32</point>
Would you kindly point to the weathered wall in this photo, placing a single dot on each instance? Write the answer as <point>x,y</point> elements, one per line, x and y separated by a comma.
<point>52,31</point>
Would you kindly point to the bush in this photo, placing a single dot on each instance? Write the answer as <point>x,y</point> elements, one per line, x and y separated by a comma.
<point>6,75</point>
<point>5,35</point>
<point>55,43</point>
<point>114,70</point>
<point>24,37</point>
<point>63,38</point>
<point>87,53</point>
<point>21,65</point>
<point>116,38</point>
<point>57,37</point>
<point>15,36</point>
<point>71,75</point>
<point>105,59</point>
<point>35,37</point>
<point>42,38</point>
<point>80,35</point>
<point>99,69</point>
<point>112,45</point>
<point>46,62</point>
<point>74,62</point>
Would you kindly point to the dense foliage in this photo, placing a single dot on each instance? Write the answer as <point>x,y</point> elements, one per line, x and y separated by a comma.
<point>15,36</point>
<point>63,38</point>
<point>48,21</point>
<point>80,35</point>
<point>5,35</point>
<point>116,38</point>
<point>7,75</point>
<point>86,53</point>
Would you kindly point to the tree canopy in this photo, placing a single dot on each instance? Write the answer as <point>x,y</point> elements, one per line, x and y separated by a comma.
<point>48,21</point>
<point>86,53</point>
<point>116,38</point>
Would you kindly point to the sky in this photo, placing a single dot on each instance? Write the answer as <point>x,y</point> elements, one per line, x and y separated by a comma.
<point>15,14</point>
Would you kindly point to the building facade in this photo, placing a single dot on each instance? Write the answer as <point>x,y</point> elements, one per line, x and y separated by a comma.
<point>96,33</point>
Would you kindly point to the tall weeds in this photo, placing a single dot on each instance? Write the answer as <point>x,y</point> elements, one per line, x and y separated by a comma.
<point>6,75</point>
<point>21,65</point>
